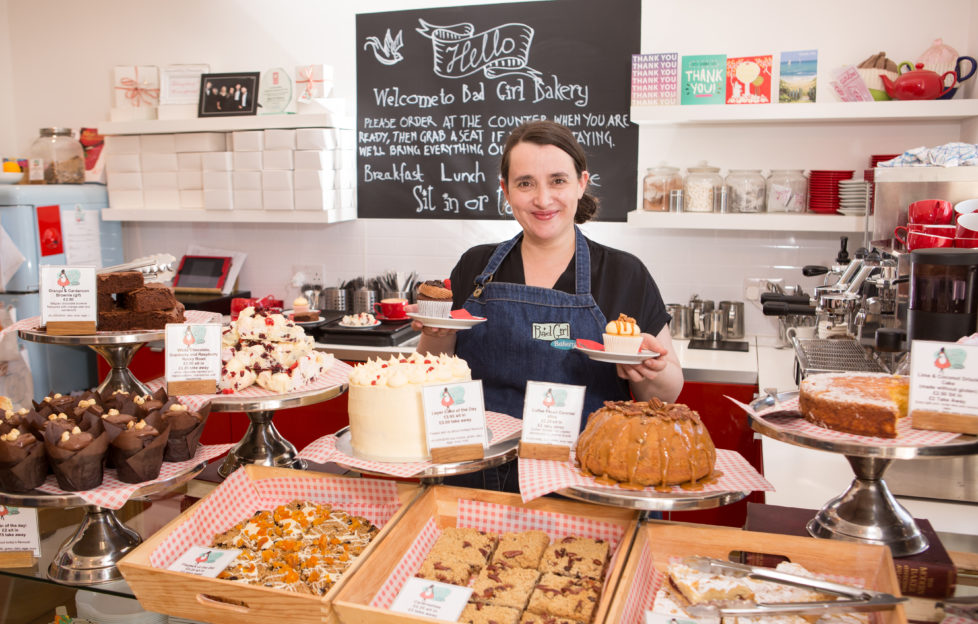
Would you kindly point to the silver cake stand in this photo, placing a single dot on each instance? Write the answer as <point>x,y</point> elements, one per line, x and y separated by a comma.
<point>262,443</point>
<point>116,348</point>
<point>496,454</point>
<point>645,501</point>
<point>90,555</point>
<point>867,511</point>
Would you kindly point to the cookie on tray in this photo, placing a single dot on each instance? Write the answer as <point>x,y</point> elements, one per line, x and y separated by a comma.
<point>521,549</point>
<point>479,613</point>
<point>504,585</point>
<point>576,556</point>
<point>563,596</point>
<point>445,569</point>
<point>535,618</point>
<point>469,545</point>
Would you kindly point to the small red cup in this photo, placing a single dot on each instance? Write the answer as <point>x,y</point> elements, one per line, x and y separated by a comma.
<point>939,230</point>
<point>922,240</point>
<point>967,226</point>
<point>392,308</point>
<point>931,212</point>
<point>966,243</point>
<point>240,303</point>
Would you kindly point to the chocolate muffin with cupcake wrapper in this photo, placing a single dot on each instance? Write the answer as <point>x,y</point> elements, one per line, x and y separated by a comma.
<point>435,299</point>
<point>55,403</point>
<point>149,403</point>
<point>15,419</point>
<point>23,463</point>
<point>76,457</point>
<point>137,452</point>
<point>186,427</point>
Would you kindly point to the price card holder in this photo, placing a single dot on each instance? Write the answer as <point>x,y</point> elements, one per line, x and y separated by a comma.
<point>551,420</point>
<point>68,300</point>
<point>944,386</point>
<point>193,358</point>
<point>20,538</point>
<point>455,421</point>
<point>203,561</point>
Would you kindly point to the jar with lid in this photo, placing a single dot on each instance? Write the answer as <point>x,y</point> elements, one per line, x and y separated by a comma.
<point>656,186</point>
<point>56,158</point>
<point>746,189</point>
<point>703,183</point>
<point>787,191</point>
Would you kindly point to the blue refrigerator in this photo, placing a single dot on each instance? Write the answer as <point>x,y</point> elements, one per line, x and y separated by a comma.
<point>55,224</point>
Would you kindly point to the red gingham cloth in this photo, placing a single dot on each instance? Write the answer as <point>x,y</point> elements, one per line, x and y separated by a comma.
<point>192,316</point>
<point>113,494</point>
<point>787,417</point>
<point>648,580</point>
<point>541,476</point>
<point>324,450</point>
<point>238,498</point>
<point>956,619</point>
<point>337,374</point>
<point>496,518</point>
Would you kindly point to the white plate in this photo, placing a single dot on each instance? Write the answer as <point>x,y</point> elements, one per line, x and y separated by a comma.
<point>288,314</point>
<point>617,358</point>
<point>342,324</point>
<point>447,323</point>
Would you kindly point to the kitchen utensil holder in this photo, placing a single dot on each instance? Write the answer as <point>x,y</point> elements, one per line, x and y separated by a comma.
<point>335,299</point>
<point>364,300</point>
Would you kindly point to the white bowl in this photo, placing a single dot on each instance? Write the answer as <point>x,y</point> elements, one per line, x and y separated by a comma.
<point>10,177</point>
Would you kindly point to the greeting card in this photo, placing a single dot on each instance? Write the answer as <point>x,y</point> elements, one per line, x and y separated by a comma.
<point>703,79</point>
<point>749,80</point>
<point>655,79</point>
<point>798,71</point>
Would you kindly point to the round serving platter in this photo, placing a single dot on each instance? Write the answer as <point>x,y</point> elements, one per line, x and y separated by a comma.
<point>651,501</point>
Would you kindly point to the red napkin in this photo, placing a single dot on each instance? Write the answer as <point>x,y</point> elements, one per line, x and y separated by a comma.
<point>463,314</point>
<point>584,343</point>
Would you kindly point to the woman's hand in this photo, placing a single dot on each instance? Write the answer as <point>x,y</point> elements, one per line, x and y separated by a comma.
<point>433,339</point>
<point>660,377</point>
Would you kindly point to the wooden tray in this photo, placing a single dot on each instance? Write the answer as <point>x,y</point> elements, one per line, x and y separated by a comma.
<point>873,564</point>
<point>353,603</point>
<point>220,601</point>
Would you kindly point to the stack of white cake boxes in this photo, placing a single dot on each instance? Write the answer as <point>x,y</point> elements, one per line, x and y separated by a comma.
<point>308,169</point>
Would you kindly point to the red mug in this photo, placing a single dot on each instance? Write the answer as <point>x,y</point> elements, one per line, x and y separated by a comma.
<point>966,243</point>
<point>931,212</point>
<point>965,207</point>
<point>392,308</point>
<point>922,240</point>
<point>967,226</point>
<point>939,230</point>
<point>240,303</point>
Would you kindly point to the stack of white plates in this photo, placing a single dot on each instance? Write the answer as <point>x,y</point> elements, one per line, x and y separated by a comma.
<point>853,197</point>
<point>107,609</point>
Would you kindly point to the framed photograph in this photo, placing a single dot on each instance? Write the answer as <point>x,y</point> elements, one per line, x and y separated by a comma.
<point>224,95</point>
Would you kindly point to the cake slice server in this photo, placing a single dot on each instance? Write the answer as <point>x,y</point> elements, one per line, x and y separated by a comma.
<point>853,598</point>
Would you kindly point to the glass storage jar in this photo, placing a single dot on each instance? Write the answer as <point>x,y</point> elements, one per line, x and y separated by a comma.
<point>787,191</point>
<point>659,181</point>
<point>745,190</point>
<point>703,182</point>
<point>56,158</point>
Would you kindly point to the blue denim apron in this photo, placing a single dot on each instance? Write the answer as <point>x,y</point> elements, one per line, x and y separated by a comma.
<point>514,344</point>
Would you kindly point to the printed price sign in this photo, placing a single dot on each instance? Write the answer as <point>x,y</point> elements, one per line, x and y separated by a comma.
<point>203,561</point>
<point>944,386</point>
<point>193,358</point>
<point>432,599</point>
<point>19,532</point>
<point>455,421</point>
<point>68,300</point>
<point>551,420</point>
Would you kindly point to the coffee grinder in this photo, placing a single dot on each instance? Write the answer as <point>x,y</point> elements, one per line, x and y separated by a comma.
<point>943,294</point>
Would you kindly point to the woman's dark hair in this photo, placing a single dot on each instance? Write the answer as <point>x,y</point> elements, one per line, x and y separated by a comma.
<point>550,133</point>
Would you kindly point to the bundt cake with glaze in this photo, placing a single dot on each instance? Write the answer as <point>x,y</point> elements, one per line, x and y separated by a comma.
<point>643,444</point>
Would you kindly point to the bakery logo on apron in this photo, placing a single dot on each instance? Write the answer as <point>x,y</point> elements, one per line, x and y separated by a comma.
<point>557,334</point>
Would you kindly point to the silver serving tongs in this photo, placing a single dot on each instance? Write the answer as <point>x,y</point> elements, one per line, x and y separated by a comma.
<point>157,267</point>
<point>964,606</point>
<point>853,598</point>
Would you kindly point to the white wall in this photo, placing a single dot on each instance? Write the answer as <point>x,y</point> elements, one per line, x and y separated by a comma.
<point>62,76</point>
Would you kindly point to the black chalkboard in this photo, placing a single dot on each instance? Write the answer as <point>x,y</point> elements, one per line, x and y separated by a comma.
<point>439,89</point>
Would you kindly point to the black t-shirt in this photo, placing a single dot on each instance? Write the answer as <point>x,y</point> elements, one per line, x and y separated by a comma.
<point>620,283</point>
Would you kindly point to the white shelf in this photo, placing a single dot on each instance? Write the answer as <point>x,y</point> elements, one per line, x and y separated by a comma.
<point>223,124</point>
<point>227,216</point>
<point>760,222</point>
<point>918,110</point>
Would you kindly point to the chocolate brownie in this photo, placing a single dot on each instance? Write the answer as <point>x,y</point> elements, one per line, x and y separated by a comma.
<point>521,549</point>
<point>150,297</point>
<point>535,618</point>
<point>576,556</point>
<point>563,596</point>
<point>122,320</point>
<point>504,585</point>
<point>479,613</point>
<point>104,302</point>
<point>306,317</point>
<point>118,282</point>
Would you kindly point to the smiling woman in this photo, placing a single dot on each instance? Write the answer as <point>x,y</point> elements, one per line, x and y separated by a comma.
<point>551,276</point>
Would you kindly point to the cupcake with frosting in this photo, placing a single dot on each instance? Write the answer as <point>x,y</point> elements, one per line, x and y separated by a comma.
<point>622,335</point>
<point>137,452</point>
<point>434,299</point>
<point>23,464</point>
<point>76,457</point>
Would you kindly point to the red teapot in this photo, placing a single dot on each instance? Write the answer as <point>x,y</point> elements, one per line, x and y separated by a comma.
<point>918,83</point>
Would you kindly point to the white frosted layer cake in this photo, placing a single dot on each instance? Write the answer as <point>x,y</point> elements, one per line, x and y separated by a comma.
<point>386,415</point>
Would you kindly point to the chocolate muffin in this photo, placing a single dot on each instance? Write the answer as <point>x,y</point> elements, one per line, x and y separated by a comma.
<point>185,427</point>
<point>76,457</point>
<point>23,465</point>
<point>137,452</point>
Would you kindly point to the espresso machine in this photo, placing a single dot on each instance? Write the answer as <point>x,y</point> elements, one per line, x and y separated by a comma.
<point>943,299</point>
